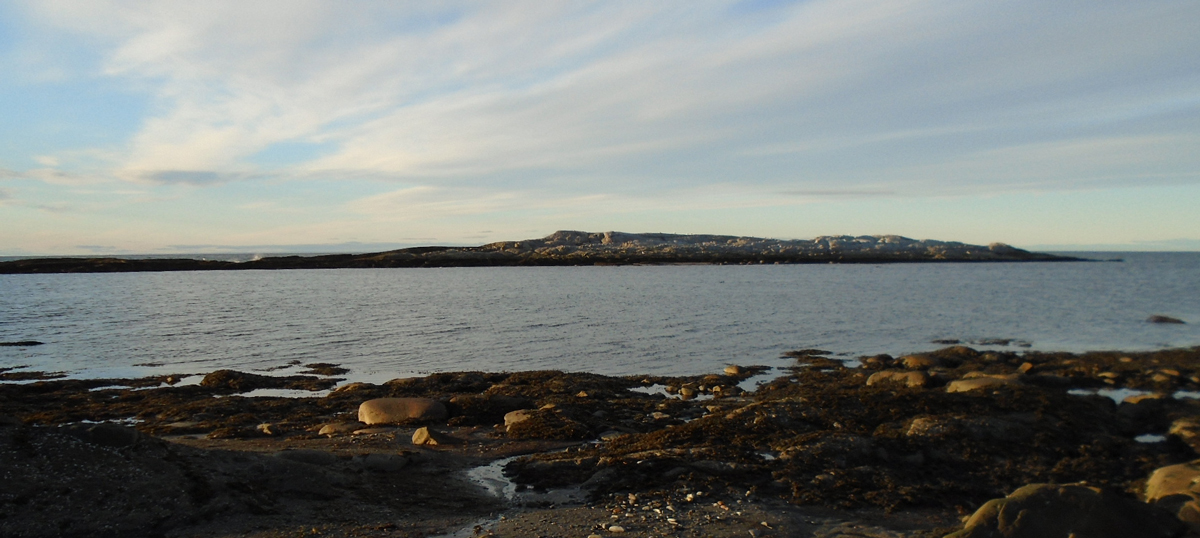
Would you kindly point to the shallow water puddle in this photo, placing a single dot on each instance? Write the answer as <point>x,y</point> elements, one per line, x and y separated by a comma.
<point>662,390</point>
<point>281,393</point>
<point>1116,395</point>
<point>750,384</point>
<point>1119,395</point>
<point>491,477</point>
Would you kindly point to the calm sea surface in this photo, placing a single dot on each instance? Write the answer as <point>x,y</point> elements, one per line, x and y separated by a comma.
<point>386,323</point>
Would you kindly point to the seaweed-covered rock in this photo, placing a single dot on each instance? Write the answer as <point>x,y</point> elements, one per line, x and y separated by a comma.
<point>235,381</point>
<point>549,424</point>
<point>483,409</point>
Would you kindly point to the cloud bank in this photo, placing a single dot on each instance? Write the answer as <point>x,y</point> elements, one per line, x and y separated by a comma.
<point>468,108</point>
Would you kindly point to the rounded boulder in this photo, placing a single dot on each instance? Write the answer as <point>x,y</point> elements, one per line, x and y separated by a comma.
<point>398,410</point>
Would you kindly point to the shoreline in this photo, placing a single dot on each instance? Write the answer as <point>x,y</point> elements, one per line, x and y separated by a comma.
<point>894,447</point>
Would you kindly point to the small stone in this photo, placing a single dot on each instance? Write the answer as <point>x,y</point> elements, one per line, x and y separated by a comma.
<point>520,415</point>
<point>687,393</point>
<point>339,428</point>
<point>268,429</point>
<point>1025,367</point>
<point>616,529</point>
<point>1139,398</point>
<point>582,394</point>
<point>733,369</point>
<point>426,436</point>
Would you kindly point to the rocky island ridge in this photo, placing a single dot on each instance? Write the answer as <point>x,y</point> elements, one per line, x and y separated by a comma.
<point>587,248</point>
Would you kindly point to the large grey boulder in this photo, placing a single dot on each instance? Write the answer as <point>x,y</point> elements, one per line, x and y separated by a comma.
<point>1069,511</point>
<point>398,410</point>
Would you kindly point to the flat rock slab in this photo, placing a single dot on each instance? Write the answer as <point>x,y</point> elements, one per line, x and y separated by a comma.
<point>981,382</point>
<point>398,410</point>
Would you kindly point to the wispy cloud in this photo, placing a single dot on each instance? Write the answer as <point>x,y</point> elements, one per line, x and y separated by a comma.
<point>461,92</point>
<point>469,109</point>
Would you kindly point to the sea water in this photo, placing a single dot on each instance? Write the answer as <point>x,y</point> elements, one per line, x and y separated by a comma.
<point>386,323</point>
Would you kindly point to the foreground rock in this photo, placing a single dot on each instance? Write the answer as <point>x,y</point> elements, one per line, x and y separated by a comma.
<point>584,248</point>
<point>1176,488</point>
<point>1069,511</point>
<point>112,481</point>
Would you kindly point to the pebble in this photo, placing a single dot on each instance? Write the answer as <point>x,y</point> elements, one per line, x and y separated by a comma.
<point>616,528</point>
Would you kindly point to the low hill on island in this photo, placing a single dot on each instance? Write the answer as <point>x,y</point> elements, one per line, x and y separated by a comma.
<point>585,248</point>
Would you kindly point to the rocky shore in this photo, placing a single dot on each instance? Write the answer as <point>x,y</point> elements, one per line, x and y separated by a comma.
<point>584,248</point>
<point>955,441</point>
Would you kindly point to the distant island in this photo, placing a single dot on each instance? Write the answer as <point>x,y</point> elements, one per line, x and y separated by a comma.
<point>585,248</point>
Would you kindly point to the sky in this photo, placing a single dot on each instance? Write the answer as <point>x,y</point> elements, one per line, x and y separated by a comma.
<point>295,126</point>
